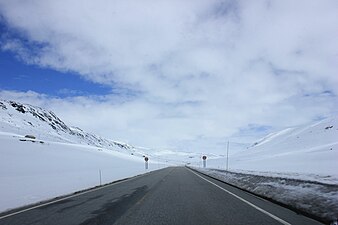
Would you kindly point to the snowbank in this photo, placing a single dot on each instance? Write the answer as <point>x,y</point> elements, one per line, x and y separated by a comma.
<point>313,198</point>
<point>32,171</point>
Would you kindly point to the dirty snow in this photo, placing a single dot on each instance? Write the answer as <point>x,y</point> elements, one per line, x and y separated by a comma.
<point>315,198</point>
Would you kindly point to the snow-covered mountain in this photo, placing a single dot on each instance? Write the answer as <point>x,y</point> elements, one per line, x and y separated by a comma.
<point>295,166</point>
<point>319,137</point>
<point>63,159</point>
<point>41,157</point>
<point>319,134</point>
<point>304,152</point>
<point>25,119</point>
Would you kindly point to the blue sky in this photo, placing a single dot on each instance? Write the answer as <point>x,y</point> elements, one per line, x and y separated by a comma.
<point>16,75</point>
<point>173,74</point>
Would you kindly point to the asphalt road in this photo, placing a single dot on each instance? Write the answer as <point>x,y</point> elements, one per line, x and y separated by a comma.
<point>174,195</point>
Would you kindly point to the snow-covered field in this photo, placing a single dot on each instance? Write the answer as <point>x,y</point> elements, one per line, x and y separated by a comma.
<point>32,172</point>
<point>60,160</point>
<point>63,159</point>
<point>308,152</point>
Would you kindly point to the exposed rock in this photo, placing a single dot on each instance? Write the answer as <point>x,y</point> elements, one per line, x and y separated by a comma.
<point>59,127</point>
<point>2,106</point>
<point>30,136</point>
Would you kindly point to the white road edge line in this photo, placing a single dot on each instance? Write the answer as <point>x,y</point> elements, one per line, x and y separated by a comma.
<point>247,202</point>
<point>72,196</point>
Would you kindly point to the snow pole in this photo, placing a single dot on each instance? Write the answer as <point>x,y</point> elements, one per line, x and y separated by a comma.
<point>227,166</point>
<point>204,161</point>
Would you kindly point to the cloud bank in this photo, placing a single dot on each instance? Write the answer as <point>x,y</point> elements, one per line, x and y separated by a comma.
<point>182,72</point>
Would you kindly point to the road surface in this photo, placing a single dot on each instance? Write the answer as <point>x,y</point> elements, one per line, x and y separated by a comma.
<point>175,195</point>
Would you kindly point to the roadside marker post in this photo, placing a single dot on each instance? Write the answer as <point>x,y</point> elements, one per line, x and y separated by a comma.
<point>227,166</point>
<point>146,159</point>
<point>204,161</point>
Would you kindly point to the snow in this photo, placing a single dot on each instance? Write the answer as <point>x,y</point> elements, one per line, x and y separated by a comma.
<point>298,163</point>
<point>60,160</point>
<point>296,167</point>
<point>26,119</point>
<point>32,172</point>
<point>314,198</point>
<point>307,152</point>
<point>63,159</point>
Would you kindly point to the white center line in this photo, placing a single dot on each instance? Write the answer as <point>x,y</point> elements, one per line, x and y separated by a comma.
<point>243,200</point>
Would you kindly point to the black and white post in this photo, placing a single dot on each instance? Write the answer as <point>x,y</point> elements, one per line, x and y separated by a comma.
<point>204,161</point>
<point>146,159</point>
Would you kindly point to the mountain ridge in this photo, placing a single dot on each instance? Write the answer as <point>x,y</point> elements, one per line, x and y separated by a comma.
<point>26,119</point>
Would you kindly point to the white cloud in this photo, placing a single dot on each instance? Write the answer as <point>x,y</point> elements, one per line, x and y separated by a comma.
<point>204,69</point>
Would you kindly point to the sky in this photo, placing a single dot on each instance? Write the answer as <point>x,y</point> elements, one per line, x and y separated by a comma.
<point>181,75</point>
